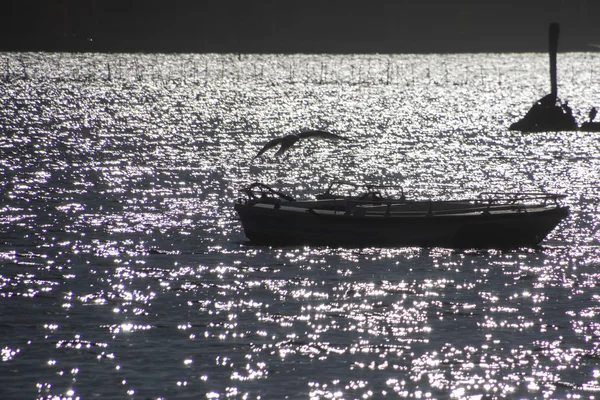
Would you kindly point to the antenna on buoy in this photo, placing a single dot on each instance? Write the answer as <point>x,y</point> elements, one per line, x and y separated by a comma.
<point>553,33</point>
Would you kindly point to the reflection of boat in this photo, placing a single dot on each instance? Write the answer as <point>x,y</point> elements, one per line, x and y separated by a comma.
<point>493,220</point>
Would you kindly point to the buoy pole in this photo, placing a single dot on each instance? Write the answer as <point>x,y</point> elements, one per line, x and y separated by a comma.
<point>553,48</point>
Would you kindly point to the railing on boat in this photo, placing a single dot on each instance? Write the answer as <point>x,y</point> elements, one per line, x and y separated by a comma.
<point>486,202</point>
<point>374,191</point>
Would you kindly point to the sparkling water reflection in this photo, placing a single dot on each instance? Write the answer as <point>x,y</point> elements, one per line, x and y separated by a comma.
<point>125,273</point>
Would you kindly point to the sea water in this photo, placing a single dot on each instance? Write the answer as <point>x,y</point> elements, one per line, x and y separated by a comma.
<point>126,274</point>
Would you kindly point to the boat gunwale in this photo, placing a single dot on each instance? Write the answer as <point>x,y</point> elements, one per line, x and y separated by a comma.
<point>522,200</point>
<point>501,210</point>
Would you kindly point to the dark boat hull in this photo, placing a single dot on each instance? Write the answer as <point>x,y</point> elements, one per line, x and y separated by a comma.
<point>275,226</point>
<point>590,127</point>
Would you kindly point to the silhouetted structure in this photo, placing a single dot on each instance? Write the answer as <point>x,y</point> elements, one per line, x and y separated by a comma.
<point>591,126</point>
<point>548,113</point>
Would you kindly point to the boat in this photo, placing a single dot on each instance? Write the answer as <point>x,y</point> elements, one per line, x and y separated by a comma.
<point>491,220</point>
<point>546,115</point>
<point>549,113</point>
<point>590,127</point>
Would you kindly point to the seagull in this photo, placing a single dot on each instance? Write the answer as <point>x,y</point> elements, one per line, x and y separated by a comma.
<point>288,141</point>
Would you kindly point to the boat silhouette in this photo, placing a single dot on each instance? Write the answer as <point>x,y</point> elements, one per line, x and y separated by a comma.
<point>548,113</point>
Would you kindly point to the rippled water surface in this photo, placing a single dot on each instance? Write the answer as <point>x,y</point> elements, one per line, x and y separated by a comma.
<point>125,273</point>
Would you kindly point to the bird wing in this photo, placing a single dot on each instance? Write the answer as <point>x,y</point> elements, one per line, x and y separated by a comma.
<point>320,134</point>
<point>286,142</point>
<point>270,144</point>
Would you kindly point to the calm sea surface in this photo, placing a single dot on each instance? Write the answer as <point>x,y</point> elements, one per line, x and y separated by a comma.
<point>124,272</point>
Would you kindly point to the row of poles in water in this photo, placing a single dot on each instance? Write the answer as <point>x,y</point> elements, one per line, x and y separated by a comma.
<point>230,68</point>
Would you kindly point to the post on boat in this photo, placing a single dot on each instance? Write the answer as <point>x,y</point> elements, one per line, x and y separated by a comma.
<point>553,33</point>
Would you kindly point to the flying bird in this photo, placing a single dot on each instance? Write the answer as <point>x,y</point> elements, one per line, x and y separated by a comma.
<point>288,141</point>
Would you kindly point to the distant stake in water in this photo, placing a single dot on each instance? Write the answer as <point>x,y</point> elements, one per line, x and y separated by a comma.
<point>25,76</point>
